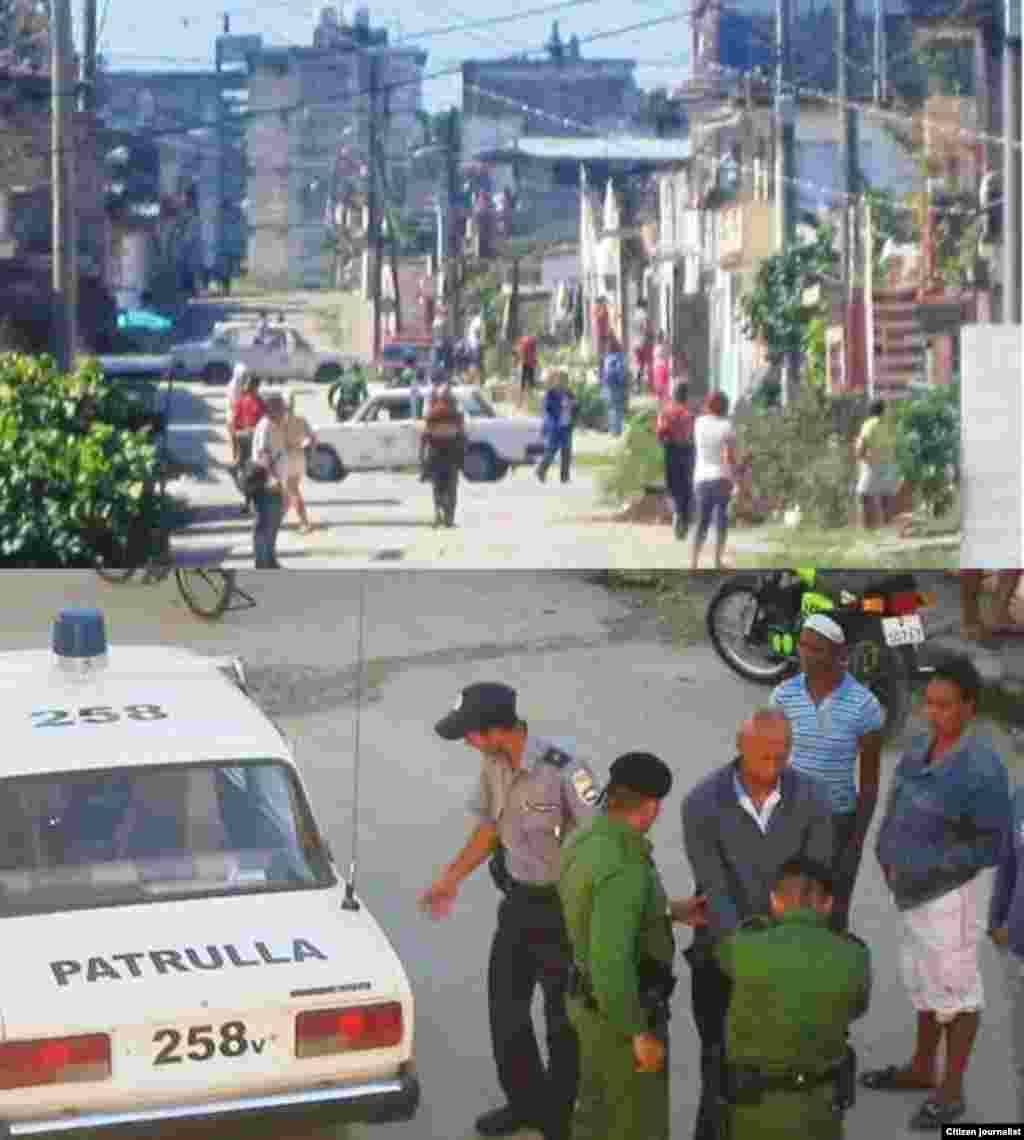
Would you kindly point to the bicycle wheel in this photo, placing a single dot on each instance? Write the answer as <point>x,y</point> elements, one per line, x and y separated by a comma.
<point>206,592</point>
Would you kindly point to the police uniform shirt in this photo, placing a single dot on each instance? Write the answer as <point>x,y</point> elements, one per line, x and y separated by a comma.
<point>533,804</point>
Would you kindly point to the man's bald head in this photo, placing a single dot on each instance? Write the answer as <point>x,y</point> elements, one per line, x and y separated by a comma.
<point>764,742</point>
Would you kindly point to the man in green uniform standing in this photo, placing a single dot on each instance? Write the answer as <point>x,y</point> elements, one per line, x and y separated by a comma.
<point>619,923</point>
<point>796,987</point>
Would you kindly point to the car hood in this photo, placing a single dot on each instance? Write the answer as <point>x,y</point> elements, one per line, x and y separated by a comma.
<point>76,971</point>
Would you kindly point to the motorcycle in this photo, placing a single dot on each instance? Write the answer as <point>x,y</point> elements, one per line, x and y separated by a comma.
<point>882,624</point>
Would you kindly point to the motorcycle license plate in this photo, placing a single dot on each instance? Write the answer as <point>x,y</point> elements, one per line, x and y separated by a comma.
<point>903,630</point>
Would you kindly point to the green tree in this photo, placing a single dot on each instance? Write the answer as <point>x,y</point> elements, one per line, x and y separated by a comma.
<point>774,311</point>
<point>927,433</point>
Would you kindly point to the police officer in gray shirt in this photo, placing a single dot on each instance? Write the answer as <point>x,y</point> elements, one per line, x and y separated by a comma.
<point>529,795</point>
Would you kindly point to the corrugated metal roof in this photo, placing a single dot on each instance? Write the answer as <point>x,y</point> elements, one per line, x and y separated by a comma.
<point>625,148</point>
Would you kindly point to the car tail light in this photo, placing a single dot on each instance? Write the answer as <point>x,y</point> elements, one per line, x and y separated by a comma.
<point>873,605</point>
<point>55,1061</point>
<point>907,602</point>
<point>319,1032</point>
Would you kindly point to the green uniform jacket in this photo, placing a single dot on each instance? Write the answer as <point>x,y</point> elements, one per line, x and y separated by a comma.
<point>616,912</point>
<point>796,988</point>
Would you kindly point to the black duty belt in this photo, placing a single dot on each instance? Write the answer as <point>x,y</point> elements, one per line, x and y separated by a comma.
<point>540,891</point>
<point>747,1084</point>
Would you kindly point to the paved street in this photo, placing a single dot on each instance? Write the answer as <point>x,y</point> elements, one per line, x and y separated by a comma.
<point>591,671</point>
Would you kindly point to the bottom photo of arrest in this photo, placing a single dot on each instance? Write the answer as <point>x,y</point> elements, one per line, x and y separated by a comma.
<point>552,855</point>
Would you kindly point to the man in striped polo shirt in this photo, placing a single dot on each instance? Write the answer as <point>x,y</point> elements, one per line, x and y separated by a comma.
<point>837,737</point>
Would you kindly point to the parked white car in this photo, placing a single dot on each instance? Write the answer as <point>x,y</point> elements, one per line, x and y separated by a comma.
<point>178,943</point>
<point>382,435</point>
<point>277,352</point>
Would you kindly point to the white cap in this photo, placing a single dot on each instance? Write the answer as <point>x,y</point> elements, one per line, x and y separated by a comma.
<point>827,628</point>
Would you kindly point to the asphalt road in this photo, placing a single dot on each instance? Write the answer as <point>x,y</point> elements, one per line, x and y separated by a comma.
<point>590,671</point>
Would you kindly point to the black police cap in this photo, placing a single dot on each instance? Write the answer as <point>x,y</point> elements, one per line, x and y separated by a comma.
<point>478,708</point>
<point>641,772</point>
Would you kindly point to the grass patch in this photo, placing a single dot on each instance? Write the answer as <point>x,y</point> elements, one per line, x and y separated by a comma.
<point>677,598</point>
<point>847,547</point>
<point>594,459</point>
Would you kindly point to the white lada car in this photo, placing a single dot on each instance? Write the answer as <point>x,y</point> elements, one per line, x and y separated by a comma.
<point>177,943</point>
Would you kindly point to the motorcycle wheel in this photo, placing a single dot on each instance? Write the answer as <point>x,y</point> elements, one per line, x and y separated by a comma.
<point>886,671</point>
<point>742,641</point>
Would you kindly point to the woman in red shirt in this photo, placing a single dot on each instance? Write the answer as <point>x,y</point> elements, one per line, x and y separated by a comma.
<point>675,433</point>
<point>246,413</point>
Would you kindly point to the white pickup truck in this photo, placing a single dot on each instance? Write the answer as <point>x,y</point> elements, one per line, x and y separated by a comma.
<point>382,435</point>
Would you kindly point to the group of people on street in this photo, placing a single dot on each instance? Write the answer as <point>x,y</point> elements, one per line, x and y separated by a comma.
<point>268,445</point>
<point>774,839</point>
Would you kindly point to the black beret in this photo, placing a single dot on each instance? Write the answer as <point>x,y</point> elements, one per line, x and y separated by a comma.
<point>641,772</point>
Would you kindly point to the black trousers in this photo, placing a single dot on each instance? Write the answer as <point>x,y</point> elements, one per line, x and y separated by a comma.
<point>679,462</point>
<point>530,949</point>
<point>844,870</point>
<point>710,990</point>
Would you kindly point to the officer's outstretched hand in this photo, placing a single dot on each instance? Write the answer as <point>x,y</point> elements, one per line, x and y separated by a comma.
<point>648,1053</point>
<point>438,898</point>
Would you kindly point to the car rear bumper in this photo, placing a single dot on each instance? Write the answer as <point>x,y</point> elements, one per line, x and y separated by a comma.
<point>382,1101</point>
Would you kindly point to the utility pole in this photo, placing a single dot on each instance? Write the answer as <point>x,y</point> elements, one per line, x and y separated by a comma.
<point>785,155</point>
<point>373,221</point>
<point>61,144</point>
<point>1012,157</point>
<point>879,53</point>
<point>452,234</point>
<point>848,146</point>
<point>89,61</point>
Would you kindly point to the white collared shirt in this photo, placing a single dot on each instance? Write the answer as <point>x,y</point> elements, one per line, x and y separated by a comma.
<point>762,817</point>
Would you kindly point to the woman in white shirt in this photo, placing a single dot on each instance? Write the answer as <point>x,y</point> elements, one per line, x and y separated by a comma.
<point>715,444</point>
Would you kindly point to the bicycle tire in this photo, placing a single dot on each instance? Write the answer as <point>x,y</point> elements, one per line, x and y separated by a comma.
<point>115,575</point>
<point>207,592</point>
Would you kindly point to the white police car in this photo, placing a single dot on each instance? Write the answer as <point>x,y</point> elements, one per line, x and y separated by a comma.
<point>177,944</point>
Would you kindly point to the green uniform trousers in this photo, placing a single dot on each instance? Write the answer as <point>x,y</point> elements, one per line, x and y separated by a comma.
<point>614,1102</point>
<point>785,1115</point>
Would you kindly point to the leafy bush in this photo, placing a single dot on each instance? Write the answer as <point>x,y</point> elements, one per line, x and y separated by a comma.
<point>928,445</point>
<point>75,480</point>
<point>801,455</point>
<point>639,462</point>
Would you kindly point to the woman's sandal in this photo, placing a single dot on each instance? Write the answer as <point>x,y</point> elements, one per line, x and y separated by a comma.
<point>931,1116</point>
<point>887,1080</point>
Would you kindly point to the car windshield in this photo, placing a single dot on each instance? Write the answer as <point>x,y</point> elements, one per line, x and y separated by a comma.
<point>131,836</point>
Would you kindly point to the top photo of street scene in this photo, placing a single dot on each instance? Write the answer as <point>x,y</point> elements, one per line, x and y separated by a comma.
<point>572,286</point>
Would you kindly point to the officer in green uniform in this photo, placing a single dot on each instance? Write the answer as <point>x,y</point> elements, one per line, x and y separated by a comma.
<point>796,987</point>
<point>619,923</point>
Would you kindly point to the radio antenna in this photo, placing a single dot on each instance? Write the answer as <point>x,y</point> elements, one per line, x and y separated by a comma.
<point>350,902</point>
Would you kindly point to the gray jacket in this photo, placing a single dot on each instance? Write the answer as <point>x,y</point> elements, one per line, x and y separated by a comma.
<point>733,863</point>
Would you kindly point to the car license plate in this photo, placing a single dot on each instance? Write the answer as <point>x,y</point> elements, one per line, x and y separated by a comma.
<point>903,630</point>
<point>234,1039</point>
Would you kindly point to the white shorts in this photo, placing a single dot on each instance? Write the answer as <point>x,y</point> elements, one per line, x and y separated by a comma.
<point>940,954</point>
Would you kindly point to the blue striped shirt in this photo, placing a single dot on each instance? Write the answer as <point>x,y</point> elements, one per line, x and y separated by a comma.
<point>826,736</point>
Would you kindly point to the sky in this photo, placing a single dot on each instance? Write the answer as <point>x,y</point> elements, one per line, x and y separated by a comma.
<point>176,34</point>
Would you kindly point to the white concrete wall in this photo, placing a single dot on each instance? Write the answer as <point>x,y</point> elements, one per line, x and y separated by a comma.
<point>992,459</point>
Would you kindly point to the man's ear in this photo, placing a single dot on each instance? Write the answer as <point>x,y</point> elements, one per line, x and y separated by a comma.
<point>777,904</point>
<point>827,904</point>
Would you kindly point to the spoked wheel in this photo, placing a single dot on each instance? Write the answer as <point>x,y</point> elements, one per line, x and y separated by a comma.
<point>886,672</point>
<point>741,627</point>
<point>207,592</point>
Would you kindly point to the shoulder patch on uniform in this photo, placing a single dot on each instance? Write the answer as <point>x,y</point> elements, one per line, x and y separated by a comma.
<point>557,757</point>
<point>585,787</point>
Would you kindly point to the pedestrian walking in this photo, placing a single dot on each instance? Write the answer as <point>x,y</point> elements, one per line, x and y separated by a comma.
<point>878,478</point>
<point>674,429</point>
<point>298,436</point>
<point>661,374</point>
<point>796,987</point>
<point>526,353</point>
<point>837,738</point>
<point>948,818</point>
<point>619,923</point>
<point>740,825</point>
<point>1006,929</point>
<point>613,384</point>
<point>559,422</point>
<point>444,437</point>
<point>643,351</point>
<point>715,443</point>
<point>601,328</point>
<point>530,795</point>
<point>270,456</point>
<point>247,412</point>
<point>236,385</point>
<point>475,346</point>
